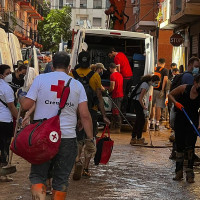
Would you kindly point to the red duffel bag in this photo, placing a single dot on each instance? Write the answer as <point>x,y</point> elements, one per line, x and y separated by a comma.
<point>104,146</point>
<point>39,142</point>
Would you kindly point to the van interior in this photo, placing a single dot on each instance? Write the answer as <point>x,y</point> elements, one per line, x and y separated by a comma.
<point>133,48</point>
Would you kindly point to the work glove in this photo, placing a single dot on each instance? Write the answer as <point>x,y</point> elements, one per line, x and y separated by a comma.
<point>179,106</point>
<point>90,148</point>
<point>21,93</point>
<point>161,94</point>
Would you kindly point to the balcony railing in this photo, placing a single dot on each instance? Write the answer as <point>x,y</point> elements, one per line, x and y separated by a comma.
<point>184,12</point>
<point>37,6</point>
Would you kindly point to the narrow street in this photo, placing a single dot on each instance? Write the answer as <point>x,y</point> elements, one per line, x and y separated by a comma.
<point>133,173</point>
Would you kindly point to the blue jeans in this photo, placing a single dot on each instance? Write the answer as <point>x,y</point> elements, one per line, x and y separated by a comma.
<point>62,166</point>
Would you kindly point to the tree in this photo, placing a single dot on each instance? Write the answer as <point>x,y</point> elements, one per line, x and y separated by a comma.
<point>56,25</point>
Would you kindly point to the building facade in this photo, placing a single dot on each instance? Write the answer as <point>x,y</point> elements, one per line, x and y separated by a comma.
<point>92,12</point>
<point>21,18</point>
<point>146,21</point>
<point>183,18</point>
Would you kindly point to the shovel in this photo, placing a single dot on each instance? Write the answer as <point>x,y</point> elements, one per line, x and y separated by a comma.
<point>10,169</point>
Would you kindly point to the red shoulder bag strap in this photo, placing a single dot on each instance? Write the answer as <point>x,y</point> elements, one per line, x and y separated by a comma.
<point>64,96</point>
<point>104,131</point>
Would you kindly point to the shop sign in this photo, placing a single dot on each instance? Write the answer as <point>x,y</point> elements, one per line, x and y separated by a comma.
<point>176,40</point>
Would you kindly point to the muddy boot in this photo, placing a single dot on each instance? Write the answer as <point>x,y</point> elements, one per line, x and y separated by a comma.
<point>179,166</point>
<point>38,191</point>
<point>133,141</point>
<point>190,175</point>
<point>141,141</point>
<point>78,171</point>
<point>58,195</point>
<point>179,176</point>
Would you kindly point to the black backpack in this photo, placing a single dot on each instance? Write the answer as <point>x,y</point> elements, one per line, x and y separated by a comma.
<point>133,90</point>
<point>177,80</point>
<point>91,94</point>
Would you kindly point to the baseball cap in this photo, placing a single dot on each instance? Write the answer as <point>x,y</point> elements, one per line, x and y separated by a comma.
<point>101,66</point>
<point>84,59</point>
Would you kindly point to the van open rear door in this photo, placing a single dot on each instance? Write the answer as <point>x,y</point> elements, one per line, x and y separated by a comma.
<point>149,68</point>
<point>149,62</point>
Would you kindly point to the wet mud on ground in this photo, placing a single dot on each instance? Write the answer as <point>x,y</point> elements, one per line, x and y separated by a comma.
<point>133,173</point>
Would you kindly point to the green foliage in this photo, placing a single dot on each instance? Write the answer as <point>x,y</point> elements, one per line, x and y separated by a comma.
<point>55,25</point>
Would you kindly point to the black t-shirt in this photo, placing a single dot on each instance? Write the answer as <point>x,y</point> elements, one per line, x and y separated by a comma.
<point>14,83</point>
<point>164,72</point>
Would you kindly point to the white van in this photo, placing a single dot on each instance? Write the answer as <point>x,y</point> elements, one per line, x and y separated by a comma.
<point>5,54</point>
<point>138,47</point>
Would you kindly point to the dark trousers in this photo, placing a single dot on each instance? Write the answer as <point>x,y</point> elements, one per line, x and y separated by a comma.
<point>140,120</point>
<point>185,143</point>
<point>116,118</point>
<point>125,92</point>
<point>61,164</point>
<point>81,135</point>
<point>6,133</point>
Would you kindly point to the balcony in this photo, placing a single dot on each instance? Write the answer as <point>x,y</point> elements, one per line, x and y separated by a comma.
<point>33,8</point>
<point>146,25</point>
<point>185,12</point>
<point>7,20</point>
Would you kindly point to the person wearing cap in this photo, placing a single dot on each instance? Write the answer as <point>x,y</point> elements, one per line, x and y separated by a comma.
<point>99,68</point>
<point>47,88</point>
<point>95,84</point>
<point>116,87</point>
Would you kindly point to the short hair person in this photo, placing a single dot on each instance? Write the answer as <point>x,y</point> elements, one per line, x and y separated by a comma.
<point>42,91</point>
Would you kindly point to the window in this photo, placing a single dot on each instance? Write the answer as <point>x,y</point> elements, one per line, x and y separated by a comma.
<point>69,3</point>
<point>82,19</point>
<point>177,6</point>
<point>83,3</point>
<point>97,4</point>
<point>60,4</point>
<point>96,22</point>
<point>107,4</point>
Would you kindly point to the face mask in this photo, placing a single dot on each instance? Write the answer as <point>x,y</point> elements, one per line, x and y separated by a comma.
<point>198,90</point>
<point>195,70</point>
<point>154,84</point>
<point>21,76</point>
<point>101,73</point>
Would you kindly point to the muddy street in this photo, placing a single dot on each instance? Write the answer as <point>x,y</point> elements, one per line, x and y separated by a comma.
<point>133,173</point>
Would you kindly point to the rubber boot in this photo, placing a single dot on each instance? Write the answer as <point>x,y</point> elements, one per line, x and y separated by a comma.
<point>190,175</point>
<point>38,191</point>
<point>179,176</point>
<point>179,166</point>
<point>58,195</point>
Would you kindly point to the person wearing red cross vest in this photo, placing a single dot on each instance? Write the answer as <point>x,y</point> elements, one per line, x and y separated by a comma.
<point>45,93</point>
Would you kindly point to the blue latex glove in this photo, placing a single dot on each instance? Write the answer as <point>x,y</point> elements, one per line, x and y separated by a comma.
<point>21,93</point>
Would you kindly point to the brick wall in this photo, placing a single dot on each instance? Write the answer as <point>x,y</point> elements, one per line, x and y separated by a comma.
<point>164,46</point>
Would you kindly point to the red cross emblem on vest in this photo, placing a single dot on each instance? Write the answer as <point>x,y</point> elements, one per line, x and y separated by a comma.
<point>58,88</point>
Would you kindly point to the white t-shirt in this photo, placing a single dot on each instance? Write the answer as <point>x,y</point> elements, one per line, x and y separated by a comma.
<point>7,96</point>
<point>145,86</point>
<point>46,91</point>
